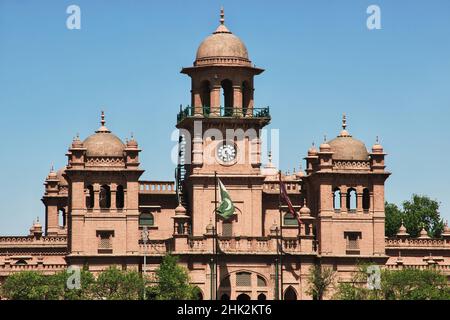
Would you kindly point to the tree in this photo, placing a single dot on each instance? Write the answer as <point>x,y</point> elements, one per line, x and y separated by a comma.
<point>86,290</point>
<point>420,212</point>
<point>115,284</point>
<point>172,282</point>
<point>320,280</point>
<point>29,285</point>
<point>405,284</point>
<point>394,218</point>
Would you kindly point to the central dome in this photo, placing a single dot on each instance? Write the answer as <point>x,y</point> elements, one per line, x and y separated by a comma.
<point>103,143</point>
<point>222,47</point>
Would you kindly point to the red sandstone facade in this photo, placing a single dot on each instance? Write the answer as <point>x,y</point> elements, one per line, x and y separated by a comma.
<point>96,207</point>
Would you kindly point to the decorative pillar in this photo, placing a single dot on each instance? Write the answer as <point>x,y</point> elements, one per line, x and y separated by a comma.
<point>96,187</point>
<point>237,99</point>
<point>113,191</point>
<point>215,100</point>
<point>359,202</point>
<point>197,102</point>
<point>344,199</point>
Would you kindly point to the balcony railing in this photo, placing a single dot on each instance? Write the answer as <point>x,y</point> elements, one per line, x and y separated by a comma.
<point>224,112</point>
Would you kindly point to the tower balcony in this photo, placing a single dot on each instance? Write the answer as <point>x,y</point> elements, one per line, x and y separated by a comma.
<point>224,112</point>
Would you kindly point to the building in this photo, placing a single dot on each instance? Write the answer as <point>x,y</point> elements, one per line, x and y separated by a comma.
<point>96,208</point>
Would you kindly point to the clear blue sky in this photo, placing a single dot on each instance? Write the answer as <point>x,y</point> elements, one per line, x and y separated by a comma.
<point>320,61</point>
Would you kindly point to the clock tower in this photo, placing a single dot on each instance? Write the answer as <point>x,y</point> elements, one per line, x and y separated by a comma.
<point>220,134</point>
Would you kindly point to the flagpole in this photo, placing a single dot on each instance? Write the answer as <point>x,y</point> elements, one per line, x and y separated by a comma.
<point>281,240</point>
<point>215,235</point>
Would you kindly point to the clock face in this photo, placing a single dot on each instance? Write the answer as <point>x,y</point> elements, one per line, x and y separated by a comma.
<point>227,153</point>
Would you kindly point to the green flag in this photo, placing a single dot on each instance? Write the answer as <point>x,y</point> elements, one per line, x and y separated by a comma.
<point>226,206</point>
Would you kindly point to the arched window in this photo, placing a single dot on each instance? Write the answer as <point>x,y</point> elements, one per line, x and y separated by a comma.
<point>105,197</point>
<point>120,198</point>
<point>290,294</point>
<point>243,296</point>
<point>243,279</point>
<point>90,197</point>
<point>227,228</point>
<point>205,96</point>
<point>246,96</point>
<point>351,200</point>
<point>146,219</point>
<point>290,220</point>
<point>262,296</point>
<point>61,217</point>
<point>261,282</point>
<point>366,199</point>
<point>228,104</point>
<point>337,199</point>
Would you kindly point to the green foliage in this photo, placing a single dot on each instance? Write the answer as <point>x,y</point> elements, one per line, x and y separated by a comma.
<point>115,284</point>
<point>406,284</point>
<point>319,280</point>
<point>420,211</point>
<point>394,218</point>
<point>85,291</point>
<point>172,282</point>
<point>30,285</point>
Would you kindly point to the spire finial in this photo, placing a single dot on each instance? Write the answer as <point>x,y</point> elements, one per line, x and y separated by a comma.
<point>222,15</point>
<point>103,118</point>
<point>344,122</point>
<point>269,155</point>
<point>377,140</point>
<point>324,138</point>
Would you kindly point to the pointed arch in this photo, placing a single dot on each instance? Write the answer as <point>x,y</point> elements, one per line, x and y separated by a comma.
<point>290,294</point>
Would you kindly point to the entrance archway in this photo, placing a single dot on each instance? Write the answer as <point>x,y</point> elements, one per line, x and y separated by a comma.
<point>243,296</point>
<point>290,294</point>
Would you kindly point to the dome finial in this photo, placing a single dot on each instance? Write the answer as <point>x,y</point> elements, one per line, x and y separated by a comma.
<point>269,155</point>
<point>344,122</point>
<point>344,132</point>
<point>103,128</point>
<point>222,15</point>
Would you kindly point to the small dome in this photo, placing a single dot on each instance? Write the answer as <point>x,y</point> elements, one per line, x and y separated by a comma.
<point>76,143</point>
<point>103,143</point>
<point>377,147</point>
<point>132,143</point>
<point>305,211</point>
<point>52,175</point>
<point>402,231</point>
<point>60,175</point>
<point>180,210</point>
<point>325,147</point>
<point>222,47</point>
<point>345,147</point>
<point>312,151</point>
<point>423,234</point>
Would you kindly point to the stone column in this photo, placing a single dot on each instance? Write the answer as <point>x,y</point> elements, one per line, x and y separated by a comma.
<point>215,100</point>
<point>343,199</point>
<point>237,99</point>
<point>359,202</point>
<point>96,187</point>
<point>113,192</point>
<point>197,102</point>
